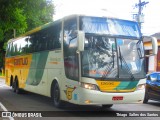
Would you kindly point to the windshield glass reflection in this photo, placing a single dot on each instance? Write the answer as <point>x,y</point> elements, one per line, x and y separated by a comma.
<point>99,58</point>
<point>129,59</point>
<point>106,57</point>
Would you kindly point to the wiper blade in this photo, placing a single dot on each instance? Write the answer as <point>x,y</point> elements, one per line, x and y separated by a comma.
<point>125,63</point>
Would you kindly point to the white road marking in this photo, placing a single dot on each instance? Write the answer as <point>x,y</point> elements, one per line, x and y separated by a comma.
<point>2,84</point>
<point>5,109</point>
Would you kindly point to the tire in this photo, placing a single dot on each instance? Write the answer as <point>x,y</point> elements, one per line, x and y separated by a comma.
<point>55,96</point>
<point>107,106</point>
<point>13,86</point>
<point>16,87</point>
<point>146,98</point>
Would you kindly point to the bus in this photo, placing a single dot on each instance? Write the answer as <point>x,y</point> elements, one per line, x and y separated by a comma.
<point>84,60</point>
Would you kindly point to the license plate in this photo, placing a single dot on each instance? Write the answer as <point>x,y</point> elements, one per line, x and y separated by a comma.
<point>115,98</point>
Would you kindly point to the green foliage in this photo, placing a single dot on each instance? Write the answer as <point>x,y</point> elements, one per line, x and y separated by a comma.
<point>22,15</point>
<point>37,12</point>
<point>1,34</point>
<point>11,17</point>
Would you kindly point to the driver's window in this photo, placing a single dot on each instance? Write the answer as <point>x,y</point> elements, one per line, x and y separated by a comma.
<point>99,57</point>
<point>70,47</point>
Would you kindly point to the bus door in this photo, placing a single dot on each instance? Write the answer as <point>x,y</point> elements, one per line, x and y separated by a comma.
<point>71,59</point>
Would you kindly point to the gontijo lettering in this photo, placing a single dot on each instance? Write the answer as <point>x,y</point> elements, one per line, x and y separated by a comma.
<point>21,61</point>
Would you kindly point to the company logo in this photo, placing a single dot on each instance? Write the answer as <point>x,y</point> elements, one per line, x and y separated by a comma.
<point>20,114</point>
<point>6,114</point>
<point>21,61</point>
<point>69,92</point>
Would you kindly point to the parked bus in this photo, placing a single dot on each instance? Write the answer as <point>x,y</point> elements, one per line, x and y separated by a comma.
<point>85,60</point>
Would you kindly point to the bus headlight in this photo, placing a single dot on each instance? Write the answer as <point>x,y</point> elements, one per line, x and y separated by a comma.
<point>141,86</point>
<point>89,86</point>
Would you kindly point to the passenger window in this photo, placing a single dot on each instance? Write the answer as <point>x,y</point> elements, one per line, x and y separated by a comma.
<point>70,47</point>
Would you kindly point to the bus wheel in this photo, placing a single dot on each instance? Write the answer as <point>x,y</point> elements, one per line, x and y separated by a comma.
<point>13,86</point>
<point>55,95</point>
<point>107,106</point>
<point>16,87</point>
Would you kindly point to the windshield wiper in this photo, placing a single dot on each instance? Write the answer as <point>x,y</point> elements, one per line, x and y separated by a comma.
<point>125,63</point>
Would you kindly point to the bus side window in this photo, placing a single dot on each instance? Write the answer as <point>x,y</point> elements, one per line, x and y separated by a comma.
<point>43,38</point>
<point>8,52</point>
<point>54,36</point>
<point>31,45</point>
<point>51,38</point>
<point>49,43</point>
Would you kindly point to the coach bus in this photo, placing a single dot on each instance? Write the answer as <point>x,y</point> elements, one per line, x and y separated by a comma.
<point>85,60</point>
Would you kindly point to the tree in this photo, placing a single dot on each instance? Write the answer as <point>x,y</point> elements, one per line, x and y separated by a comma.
<point>22,16</point>
<point>37,12</point>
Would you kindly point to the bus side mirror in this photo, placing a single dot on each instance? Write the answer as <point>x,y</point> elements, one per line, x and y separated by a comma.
<point>81,40</point>
<point>154,46</point>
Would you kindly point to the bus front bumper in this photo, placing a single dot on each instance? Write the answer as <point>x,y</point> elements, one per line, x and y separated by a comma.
<point>93,97</point>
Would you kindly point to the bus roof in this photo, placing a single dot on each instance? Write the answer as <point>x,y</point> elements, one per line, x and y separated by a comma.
<point>35,30</point>
<point>59,20</point>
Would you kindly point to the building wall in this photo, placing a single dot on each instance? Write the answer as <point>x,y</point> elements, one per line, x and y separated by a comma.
<point>158,60</point>
<point>152,62</point>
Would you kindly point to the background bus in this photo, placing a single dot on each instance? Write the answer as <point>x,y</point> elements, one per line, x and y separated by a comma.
<point>80,59</point>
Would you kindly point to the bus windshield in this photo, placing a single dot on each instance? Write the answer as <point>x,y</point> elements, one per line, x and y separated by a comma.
<point>108,57</point>
<point>110,26</point>
<point>111,51</point>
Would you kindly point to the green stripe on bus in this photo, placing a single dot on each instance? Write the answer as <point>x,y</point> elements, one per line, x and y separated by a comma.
<point>37,68</point>
<point>126,85</point>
